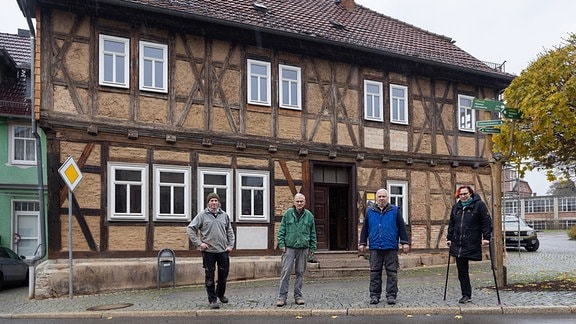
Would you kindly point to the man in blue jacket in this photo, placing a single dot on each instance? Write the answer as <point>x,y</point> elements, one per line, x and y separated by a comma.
<point>384,229</point>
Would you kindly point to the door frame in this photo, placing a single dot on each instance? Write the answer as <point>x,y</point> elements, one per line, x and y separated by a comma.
<point>352,226</point>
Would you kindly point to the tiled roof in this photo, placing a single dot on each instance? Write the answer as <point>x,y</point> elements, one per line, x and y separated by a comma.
<point>13,100</point>
<point>18,47</point>
<point>326,21</point>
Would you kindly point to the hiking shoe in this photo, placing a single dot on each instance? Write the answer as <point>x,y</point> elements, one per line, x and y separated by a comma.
<point>374,300</point>
<point>391,300</point>
<point>280,302</point>
<point>223,299</point>
<point>214,305</point>
<point>299,301</point>
<point>465,299</point>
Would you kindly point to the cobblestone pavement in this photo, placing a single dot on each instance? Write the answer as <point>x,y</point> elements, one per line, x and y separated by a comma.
<point>421,291</point>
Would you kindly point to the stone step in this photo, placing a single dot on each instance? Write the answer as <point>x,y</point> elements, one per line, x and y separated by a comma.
<point>351,265</point>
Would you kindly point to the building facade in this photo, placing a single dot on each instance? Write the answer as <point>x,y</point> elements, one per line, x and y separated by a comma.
<point>19,203</point>
<point>162,102</point>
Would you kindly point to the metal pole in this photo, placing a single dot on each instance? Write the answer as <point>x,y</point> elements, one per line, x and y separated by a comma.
<point>447,271</point>
<point>491,247</point>
<point>70,276</point>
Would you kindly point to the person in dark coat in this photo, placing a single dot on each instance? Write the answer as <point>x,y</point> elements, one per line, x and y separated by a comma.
<point>469,229</point>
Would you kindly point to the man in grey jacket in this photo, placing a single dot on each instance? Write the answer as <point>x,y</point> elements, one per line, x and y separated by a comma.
<point>215,241</point>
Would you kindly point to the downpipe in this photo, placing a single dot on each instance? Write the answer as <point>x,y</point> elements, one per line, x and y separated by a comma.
<point>39,165</point>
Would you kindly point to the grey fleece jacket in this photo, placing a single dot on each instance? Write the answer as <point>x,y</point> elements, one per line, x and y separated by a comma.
<point>215,230</point>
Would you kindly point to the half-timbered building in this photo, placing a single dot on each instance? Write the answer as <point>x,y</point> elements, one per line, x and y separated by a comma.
<point>162,102</point>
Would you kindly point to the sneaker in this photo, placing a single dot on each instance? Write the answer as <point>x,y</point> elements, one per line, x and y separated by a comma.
<point>465,299</point>
<point>374,300</point>
<point>214,305</point>
<point>391,300</point>
<point>280,302</point>
<point>223,299</point>
<point>299,301</point>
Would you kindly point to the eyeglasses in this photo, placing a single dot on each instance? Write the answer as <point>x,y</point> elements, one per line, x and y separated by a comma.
<point>464,193</point>
<point>299,201</point>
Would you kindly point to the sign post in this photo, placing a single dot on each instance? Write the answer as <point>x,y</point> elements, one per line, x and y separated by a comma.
<point>491,105</point>
<point>72,175</point>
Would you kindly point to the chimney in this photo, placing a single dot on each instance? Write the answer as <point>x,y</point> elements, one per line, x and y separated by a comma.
<point>348,5</point>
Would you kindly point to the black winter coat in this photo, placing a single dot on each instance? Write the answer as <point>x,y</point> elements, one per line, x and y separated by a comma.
<point>468,225</point>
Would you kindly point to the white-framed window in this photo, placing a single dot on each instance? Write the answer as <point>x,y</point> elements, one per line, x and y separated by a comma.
<point>252,195</point>
<point>567,204</point>
<point>466,115</point>
<point>22,145</point>
<point>27,226</point>
<point>153,67</point>
<point>259,84</point>
<point>218,181</point>
<point>373,101</point>
<point>114,61</point>
<point>398,104</point>
<point>398,195</point>
<point>510,207</point>
<point>290,83</point>
<point>127,191</point>
<point>171,193</point>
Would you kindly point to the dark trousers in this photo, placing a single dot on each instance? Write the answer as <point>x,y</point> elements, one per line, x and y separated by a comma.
<point>209,263</point>
<point>462,264</point>
<point>383,259</point>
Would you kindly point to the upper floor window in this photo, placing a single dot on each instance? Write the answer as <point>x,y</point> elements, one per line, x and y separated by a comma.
<point>398,195</point>
<point>114,61</point>
<point>252,195</point>
<point>22,144</point>
<point>539,205</point>
<point>466,116</point>
<point>510,207</point>
<point>398,104</point>
<point>373,101</point>
<point>259,86</point>
<point>171,193</point>
<point>567,204</point>
<point>128,191</point>
<point>218,181</point>
<point>289,87</point>
<point>153,67</point>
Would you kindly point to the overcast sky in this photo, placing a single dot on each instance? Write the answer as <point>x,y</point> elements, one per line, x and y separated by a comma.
<point>497,31</point>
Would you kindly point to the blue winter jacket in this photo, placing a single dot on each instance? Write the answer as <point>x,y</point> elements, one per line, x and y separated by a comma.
<point>383,228</point>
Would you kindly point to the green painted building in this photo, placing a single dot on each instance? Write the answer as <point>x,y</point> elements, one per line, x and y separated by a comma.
<point>19,186</point>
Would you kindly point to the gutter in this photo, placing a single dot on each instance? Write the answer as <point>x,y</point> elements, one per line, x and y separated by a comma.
<point>39,167</point>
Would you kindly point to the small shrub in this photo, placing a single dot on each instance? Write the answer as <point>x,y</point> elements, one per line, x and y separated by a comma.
<point>572,233</point>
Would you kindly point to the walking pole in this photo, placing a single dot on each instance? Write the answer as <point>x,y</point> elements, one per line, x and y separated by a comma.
<point>447,271</point>
<point>491,247</point>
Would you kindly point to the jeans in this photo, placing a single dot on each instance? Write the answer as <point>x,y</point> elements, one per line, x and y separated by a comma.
<point>298,258</point>
<point>209,261</point>
<point>462,264</point>
<point>387,259</point>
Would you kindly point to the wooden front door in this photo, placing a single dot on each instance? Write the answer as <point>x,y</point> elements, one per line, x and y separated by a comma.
<point>321,216</point>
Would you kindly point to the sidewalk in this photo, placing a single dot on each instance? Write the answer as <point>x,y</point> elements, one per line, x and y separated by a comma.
<point>421,292</point>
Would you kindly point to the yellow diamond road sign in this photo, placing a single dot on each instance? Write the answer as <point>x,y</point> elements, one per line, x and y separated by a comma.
<point>70,173</point>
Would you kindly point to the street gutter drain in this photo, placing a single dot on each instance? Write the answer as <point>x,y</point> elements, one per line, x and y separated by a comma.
<point>109,307</point>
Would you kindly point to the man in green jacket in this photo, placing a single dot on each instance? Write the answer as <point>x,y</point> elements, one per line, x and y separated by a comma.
<point>296,238</point>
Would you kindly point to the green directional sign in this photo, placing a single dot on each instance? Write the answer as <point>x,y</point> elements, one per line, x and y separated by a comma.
<point>512,113</point>
<point>491,105</point>
<point>489,123</point>
<point>485,130</point>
